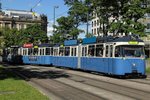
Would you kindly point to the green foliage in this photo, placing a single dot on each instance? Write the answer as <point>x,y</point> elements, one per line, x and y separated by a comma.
<point>32,34</point>
<point>35,34</point>
<point>148,70</point>
<point>89,35</point>
<point>69,26</point>
<point>126,14</point>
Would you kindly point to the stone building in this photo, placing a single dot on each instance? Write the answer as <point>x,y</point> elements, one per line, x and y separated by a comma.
<point>20,19</point>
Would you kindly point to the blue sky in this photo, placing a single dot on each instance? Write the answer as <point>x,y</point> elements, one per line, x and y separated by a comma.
<point>44,7</point>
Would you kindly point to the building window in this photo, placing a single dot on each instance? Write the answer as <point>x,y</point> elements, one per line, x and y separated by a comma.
<point>95,31</point>
<point>7,25</point>
<point>92,31</point>
<point>95,23</point>
<point>92,24</point>
<point>148,25</point>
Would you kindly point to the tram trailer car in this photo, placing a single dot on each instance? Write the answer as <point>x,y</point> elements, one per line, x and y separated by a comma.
<point>12,55</point>
<point>121,56</point>
<point>37,54</point>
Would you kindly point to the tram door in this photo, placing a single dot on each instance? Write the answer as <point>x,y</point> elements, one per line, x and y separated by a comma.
<point>109,58</point>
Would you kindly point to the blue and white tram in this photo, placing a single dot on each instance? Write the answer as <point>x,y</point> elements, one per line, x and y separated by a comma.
<point>66,55</point>
<point>38,54</point>
<point>113,56</point>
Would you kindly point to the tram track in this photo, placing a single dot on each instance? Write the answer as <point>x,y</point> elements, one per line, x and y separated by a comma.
<point>91,90</point>
<point>63,91</point>
<point>107,86</point>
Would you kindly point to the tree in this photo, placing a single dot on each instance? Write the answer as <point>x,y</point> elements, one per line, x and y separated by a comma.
<point>11,37</point>
<point>125,13</point>
<point>35,34</point>
<point>32,34</point>
<point>89,35</point>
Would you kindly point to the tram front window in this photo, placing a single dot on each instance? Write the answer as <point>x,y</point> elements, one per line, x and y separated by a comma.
<point>130,51</point>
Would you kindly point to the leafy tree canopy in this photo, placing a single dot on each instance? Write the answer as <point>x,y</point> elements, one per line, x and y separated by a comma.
<point>32,34</point>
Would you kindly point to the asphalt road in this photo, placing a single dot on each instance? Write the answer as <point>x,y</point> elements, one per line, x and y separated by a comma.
<point>65,84</point>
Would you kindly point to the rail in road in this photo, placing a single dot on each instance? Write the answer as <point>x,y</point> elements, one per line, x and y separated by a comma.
<point>64,84</point>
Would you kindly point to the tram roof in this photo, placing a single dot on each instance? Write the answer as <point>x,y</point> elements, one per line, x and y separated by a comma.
<point>45,45</point>
<point>70,42</point>
<point>119,39</point>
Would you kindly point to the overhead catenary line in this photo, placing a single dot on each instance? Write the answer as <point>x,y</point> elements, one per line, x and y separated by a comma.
<point>36,5</point>
<point>59,15</point>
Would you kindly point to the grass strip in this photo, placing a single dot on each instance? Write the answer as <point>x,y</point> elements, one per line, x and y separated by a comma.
<point>14,88</point>
<point>148,70</point>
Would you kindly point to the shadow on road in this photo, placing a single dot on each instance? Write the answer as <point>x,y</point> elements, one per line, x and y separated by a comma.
<point>12,71</point>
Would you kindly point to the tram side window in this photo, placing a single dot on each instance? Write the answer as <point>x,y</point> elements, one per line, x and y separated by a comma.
<point>107,51</point>
<point>67,51</point>
<point>73,51</point>
<point>51,51</point>
<point>117,52</point>
<point>14,51</point>
<point>47,51</point>
<point>35,51</point>
<point>61,51</point>
<point>30,51</point>
<point>99,50</point>
<point>24,51</point>
<point>91,50</point>
<point>84,51</point>
<point>55,52</point>
<point>41,51</point>
<point>111,51</point>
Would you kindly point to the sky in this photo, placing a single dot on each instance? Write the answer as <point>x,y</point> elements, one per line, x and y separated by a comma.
<point>44,7</point>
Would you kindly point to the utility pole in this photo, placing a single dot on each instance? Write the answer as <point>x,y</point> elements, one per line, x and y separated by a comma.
<point>87,28</point>
<point>54,17</point>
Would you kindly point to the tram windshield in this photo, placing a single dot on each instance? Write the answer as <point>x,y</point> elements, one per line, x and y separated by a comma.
<point>129,51</point>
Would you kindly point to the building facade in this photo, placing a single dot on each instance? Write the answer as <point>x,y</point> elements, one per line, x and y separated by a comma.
<point>20,19</point>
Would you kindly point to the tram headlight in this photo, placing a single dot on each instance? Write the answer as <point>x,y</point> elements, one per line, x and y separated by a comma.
<point>133,64</point>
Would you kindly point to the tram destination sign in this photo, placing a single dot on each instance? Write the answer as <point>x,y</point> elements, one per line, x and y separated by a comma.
<point>133,42</point>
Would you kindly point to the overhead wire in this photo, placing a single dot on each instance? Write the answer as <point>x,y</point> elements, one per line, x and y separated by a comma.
<point>36,4</point>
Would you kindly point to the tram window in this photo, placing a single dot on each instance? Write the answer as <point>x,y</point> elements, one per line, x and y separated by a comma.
<point>99,50</point>
<point>133,51</point>
<point>47,51</point>
<point>91,50</point>
<point>84,51</point>
<point>73,51</point>
<point>55,52</point>
<point>111,51</point>
<point>61,51</point>
<point>42,51</point>
<point>51,51</point>
<point>107,51</point>
<point>35,51</point>
<point>67,51</point>
<point>25,52</point>
<point>117,52</point>
<point>30,51</point>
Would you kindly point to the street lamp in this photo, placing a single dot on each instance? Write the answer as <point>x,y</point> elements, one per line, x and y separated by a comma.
<point>54,17</point>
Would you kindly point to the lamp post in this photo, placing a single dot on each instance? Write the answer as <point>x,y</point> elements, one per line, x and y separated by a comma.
<point>54,17</point>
